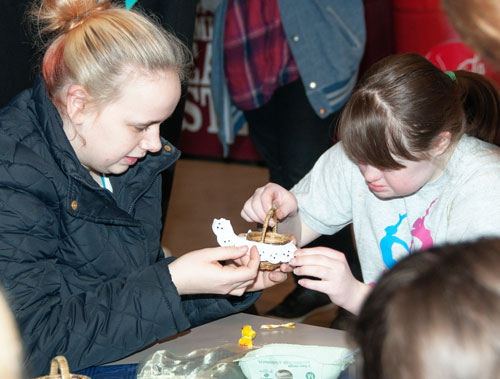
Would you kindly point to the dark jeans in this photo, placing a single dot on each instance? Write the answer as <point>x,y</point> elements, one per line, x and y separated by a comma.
<point>289,135</point>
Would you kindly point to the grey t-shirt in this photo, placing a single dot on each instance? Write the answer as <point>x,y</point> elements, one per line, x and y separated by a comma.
<point>463,204</point>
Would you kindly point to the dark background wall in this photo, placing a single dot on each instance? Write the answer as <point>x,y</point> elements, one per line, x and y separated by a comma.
<point>18,56</point>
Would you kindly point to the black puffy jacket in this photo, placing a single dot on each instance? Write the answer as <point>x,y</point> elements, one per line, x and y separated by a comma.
<point>82,267</point>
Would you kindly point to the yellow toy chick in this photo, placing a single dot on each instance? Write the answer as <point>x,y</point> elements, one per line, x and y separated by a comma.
<point>248,334</point>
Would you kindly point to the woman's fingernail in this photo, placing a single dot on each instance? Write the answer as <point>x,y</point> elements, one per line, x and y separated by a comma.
<point>242,248</point>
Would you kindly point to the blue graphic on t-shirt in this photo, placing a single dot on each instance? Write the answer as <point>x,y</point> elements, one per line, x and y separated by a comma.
<point>390,239</point>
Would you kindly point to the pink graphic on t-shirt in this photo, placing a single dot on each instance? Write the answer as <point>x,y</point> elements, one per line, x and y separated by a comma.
<point>421,232</point>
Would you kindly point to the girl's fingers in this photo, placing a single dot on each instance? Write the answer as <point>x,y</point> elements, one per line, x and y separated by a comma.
<point>316,285</point>
<point>313,260</point>
<point>277,276</point>
<point>254,262</point>
<point>320,250</point>
<point>285,267</point>
<point>248,213</point>
<point>320,272</point>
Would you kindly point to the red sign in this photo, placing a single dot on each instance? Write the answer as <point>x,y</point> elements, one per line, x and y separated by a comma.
<point>455,55</point>
<point>199,130</point>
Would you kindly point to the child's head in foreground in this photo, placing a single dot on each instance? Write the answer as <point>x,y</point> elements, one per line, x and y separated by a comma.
<point>436,314</point>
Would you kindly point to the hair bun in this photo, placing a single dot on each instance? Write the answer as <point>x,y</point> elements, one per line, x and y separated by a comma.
<point>65,15</point>
<point>79,19</point>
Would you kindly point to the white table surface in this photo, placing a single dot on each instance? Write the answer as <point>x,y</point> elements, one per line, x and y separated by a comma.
<point>227,330</point>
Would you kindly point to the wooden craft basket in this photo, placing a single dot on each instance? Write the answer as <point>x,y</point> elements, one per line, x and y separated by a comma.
<point>59,369</point>
<point>272,238</point>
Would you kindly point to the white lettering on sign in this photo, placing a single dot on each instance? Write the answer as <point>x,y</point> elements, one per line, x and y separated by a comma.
<point>199,112</point>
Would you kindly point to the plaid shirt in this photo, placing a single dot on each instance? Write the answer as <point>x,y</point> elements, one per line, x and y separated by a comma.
<point>257,58</point>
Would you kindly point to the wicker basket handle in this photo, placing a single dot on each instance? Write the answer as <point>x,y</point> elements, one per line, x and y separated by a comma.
<point>60,363</point>
<point>271,213</point>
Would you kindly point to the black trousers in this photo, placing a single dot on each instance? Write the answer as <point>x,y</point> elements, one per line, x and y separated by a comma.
<point>290,137</point>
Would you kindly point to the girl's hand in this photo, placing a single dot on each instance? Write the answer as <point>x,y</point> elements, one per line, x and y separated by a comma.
<point>200,271</point>
<point>336,279</point>
<point>264,198</point>
<point>264,279</point>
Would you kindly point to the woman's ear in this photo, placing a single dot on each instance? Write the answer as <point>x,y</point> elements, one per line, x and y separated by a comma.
<point>442,143</point>
<point>76,100</point>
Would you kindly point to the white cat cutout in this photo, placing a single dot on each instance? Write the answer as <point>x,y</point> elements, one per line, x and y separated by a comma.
<point>271,253</point>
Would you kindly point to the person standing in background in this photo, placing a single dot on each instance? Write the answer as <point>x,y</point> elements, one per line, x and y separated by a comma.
<point>289,66</point>
<point>477,22</point>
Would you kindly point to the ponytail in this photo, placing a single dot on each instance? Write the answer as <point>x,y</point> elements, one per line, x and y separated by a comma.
<point>403,103</point>
<point>481,103</point>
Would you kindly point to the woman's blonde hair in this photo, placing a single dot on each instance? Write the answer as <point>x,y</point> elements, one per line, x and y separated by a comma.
<point>478,22</point>
<point>93,43</point>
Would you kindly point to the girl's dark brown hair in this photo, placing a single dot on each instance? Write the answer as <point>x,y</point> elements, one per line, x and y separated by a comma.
<point>436,314</point>
<point>403,103</point>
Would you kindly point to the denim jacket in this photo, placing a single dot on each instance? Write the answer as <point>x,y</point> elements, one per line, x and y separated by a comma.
<point>327,39</point>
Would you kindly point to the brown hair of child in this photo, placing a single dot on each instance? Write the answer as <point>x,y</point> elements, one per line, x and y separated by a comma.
<point>404,103</point>
<point>435,314</point>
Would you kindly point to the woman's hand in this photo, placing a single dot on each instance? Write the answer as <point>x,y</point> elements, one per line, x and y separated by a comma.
<point>264,279</point>
<point>267,197</point>
<point>200,271</point>
<point>336,279</point>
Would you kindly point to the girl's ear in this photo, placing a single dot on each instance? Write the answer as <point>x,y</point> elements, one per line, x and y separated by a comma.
<point>442,143</point>
<point>76,100</point>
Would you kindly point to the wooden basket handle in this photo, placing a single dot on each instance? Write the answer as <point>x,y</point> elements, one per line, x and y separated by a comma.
<point>271,213</point>
<point>60,363</point>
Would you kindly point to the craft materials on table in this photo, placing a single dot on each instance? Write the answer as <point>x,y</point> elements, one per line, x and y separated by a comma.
<point>288,325</point>
<point>247,335</point>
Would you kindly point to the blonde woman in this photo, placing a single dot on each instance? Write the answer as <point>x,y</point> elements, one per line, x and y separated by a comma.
<point>80,216</point>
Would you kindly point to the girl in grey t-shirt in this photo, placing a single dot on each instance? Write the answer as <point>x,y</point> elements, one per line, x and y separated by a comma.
<point>415,168</point>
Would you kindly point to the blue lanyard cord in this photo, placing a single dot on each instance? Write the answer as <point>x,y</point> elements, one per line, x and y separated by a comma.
<point>103,181</point>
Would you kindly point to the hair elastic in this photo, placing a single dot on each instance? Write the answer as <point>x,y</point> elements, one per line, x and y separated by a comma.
<point>451,74</point>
